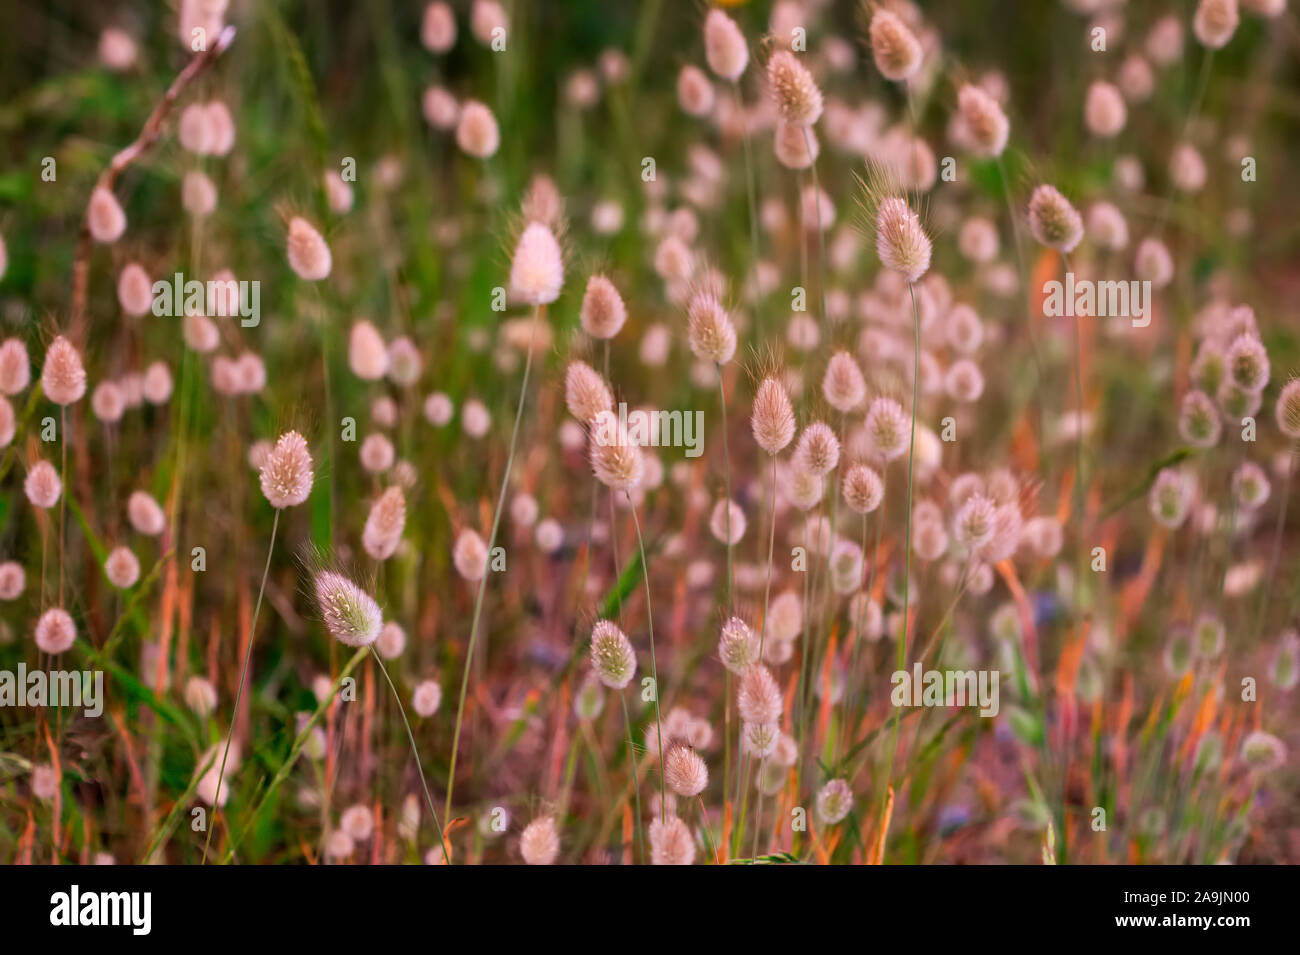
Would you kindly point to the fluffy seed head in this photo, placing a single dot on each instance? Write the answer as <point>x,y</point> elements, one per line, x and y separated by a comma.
<point>712,335</point>
<point>104,217</point>
<point>585,392</point>
<point>759,740</point>
<point>1107,226</point>
<point>834,802</point>
<point>1187,168</point>
<point>540,842</point>
<point>725,49</point>
<point>134,289</point>
<point>1053,221</point>
<point>684,769</point>
<point>1215,22</point>
<point>985,121</point>
<point>198,194</point>
<point>391,640</point>
<point>759,698</point>
<point>55,631</point>
<point>15,367</point>
<point>426,698</point>
<point>772,420</point>
<point>794,91</point>
<point>818,450</point>
<point>863,489</point>
<point>286,476</point>
<point>476,131</point>
<point>367,353</point>
<point>1288,410</point>
<point>1104,111</point>
<point>973,525</point>
<point>42,485</point>
<point>309,255</point>
<point>384,524</point>
<point>844,386</point>
<point>1247,363</point>
<point>738,645</point>
<point>1251,485</point>
<point>1171,497</point>
<point>727,522</point>
<point>470,555</point>
<point>603,312</point>
<point>63,377</point>
<point>438,27</point>
<point>1262,751</point>
<point>796,147</point>
<point>612,658</point>
<point>616,459</point>
<point>694,91</point>
<point>121,568</point>
<point>1198,420</point>
<point>13,580</point>
<point>901,243</point>
<point>377,453</point>
<point>670,841</point>
<point>200,695</point>
<point>145,514</point>
<point>887,428</point>
<point>894,47</point>
<point>350,614</point>
<point>537,271</point>
<point>1153,263</point>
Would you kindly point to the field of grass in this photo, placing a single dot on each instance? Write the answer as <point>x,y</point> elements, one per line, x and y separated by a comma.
<point>968,328</point>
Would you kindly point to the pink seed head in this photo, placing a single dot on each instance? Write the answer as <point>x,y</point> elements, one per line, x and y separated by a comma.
<point>901,243</point>
<point>55,631</point>
<point>894,47</point>
<point>725,49</point>
<point>795,93</point>
<point>985,121</point>
<point>476,130</point>
<point>121,568</point>
<point>104,217</point>
<point>585,392</point>
<point>349,613</point>
<point>42,485</point>
<point>1053,221</point>
<point>603,312</point>
<point>309,255</point>
<point>537,270</point>
<point>772,420</point>
<point>286,477</point>
<point>64,377</point>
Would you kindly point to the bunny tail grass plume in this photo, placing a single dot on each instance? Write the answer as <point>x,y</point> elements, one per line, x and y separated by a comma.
<point>309,255</point>
<point>349,613</point>
<point>536,277</point>
<point>794,92</point>
<point>894,47</point>
<point>603,312</point>
<point>286,479</point>
<point>725,49</point>
<point>612,656</point>
<point>585,393</point>
<point>901,242</point>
